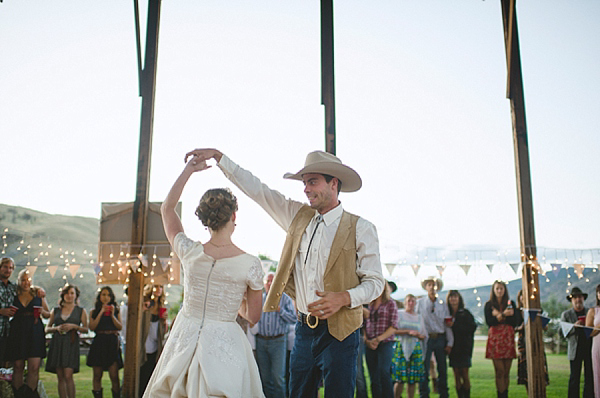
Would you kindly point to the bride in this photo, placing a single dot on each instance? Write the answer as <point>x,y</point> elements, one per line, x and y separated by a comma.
<point>207,353</point>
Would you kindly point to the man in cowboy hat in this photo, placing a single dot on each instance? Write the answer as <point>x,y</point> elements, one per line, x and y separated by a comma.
<point>580,347</point>
<point>434,312</point>
<point>329,265</point>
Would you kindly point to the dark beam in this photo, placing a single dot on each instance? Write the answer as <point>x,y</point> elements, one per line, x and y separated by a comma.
<point>530,281</point>
<point>140,206</point>
<point>327,75</point>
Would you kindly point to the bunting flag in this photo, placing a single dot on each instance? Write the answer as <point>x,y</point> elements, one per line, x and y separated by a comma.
<point>164,263</point>
<point>490,267</point>
<point>440,269</point>
<point>579,269</point>
<point>533,313</point>
<point>587,330</point>
<point>134,265</point>
<point>515,267</point>
<point>416,268</point>
<point>31,270</point>
<point>52,269</point>
<point>465,268</point>
<point>97,268</point>
<point>545,320</point>
<point>566,327</point>
<point>390,267</point>
<point>74,268</point>
<point>144,260</point>
<point>555,269</point>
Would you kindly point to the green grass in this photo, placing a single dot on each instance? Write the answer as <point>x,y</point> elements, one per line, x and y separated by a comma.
<point>482,378</point>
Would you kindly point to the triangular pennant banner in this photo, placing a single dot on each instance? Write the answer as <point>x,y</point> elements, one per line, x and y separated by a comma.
<point>525,316</point>
<point>579,269</point>
<point>97,268</point>
<point>515,267</point>
<point>390,267</point>
<point>31,270</point>
<point>566,327</point>
<point>490,267</point>
<point>555,269</point>
<point>144,260</point>
<point>164,263</point>
<point>465,268</point>
<point>545,320</point>
<point>588,331</point>
<point>52,269</point>
<point>416,268</point>
<point>532,314</point>
<point>440,269</point>
<point>74,268</point>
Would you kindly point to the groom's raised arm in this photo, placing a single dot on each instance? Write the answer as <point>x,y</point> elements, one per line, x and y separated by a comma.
<point>280,208</point>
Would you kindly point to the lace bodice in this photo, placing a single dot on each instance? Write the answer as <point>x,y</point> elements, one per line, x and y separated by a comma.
<point>213,289</point>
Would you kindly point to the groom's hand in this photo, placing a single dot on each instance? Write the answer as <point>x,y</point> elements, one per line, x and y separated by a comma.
<point>329,304</point>
<point>205,154</point>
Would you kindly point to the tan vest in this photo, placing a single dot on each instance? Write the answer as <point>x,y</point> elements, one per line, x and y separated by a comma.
<point>340,271</point>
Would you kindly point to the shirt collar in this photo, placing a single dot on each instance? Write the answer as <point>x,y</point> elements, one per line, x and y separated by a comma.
<point>332,215</point>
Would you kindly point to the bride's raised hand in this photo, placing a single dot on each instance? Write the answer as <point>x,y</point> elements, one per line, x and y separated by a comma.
<point>196,164</point>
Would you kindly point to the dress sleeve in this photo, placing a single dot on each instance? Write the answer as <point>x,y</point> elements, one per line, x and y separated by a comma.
<point>255,276</point>
<point>182,245</point>
<point>489,318</point>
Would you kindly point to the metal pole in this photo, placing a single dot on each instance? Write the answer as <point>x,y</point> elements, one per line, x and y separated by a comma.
<point>327,75</point>
<point>140,206</point>
<point>531,290</point>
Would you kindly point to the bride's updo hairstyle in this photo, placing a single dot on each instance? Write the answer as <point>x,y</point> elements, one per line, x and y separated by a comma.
<point>216,207</point>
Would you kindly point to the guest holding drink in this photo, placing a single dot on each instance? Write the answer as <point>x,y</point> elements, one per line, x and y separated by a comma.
<point>593,321</point>
<point>407,363</point>
<point>463,327</point>
<point>105,352</point>
<point>154,328</point>
<point>501,317</point>
<point>26,339</point>
<point>65,323</point>
<point>380,330</point>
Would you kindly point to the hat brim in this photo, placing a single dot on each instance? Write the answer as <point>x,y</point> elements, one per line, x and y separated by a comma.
<point>439,283</point>
<point>351,181</point>
<point>584,295</point>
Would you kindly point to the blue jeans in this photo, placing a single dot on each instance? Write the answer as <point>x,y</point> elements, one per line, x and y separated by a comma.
<point>270,358</point>
<point>317,354</point>
<point>379,362</point>
<point>361,383</point>
<point>435,346</point>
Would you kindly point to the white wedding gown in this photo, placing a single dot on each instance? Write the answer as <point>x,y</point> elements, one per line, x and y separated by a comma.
<point>207,353</point>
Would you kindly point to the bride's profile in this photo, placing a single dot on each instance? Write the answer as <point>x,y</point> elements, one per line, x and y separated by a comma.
<point>207,353</point>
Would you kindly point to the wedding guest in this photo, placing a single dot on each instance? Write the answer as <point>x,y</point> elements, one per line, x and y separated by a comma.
<point>593,321</point>
<point>105,352</point>
<point>463,327</point>
<point>65,323</point>
<point>154,328</point>
<point>579,349</point>
<point>407,363</point>
<point>441,339</point>
<point>8,291</point>
<point>501,317</point>
<point>27,340</point>
<point>380,330</point>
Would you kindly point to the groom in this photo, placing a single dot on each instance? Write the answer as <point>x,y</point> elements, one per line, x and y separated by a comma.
<point>329,265</point>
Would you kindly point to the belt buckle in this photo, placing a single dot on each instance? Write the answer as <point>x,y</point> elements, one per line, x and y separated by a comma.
<point>308,321</point>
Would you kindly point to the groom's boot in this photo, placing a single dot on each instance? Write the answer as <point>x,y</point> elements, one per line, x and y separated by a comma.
<point>97,393</point>
<point>116,394</point>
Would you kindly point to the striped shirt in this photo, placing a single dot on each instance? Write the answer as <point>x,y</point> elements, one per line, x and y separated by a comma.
<point>8,292</point>
<point>276,323</point>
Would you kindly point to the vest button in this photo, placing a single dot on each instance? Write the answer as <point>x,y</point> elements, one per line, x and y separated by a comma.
<point>278,294</point>
<point>272,306</point>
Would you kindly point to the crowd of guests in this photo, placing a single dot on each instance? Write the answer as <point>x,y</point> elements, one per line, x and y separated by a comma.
<point>400,341</point>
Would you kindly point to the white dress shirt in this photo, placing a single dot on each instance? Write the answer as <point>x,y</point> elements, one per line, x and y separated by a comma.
<point>434,314</point>
<point>308,277</point>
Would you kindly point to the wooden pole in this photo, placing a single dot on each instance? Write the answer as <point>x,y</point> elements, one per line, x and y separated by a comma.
<point>133,360</point>
<point>531,291</point>
<point>327,75</point>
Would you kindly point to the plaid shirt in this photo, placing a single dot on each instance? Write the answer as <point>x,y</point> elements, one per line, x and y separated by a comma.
<point>381,319</point>
<point>8,292</point>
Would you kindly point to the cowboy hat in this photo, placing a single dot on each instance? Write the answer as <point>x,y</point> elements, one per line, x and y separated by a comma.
<point>577,292</point>
<point>438,282</point>
<point>320,162</point>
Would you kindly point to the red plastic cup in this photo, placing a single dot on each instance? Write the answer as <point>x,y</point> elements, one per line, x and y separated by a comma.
<point>14,308</point>
<point>37,311</point>
<point>448,320</point>
<point>161,312</point>
<point>581,318</point>
<point>107,312</point>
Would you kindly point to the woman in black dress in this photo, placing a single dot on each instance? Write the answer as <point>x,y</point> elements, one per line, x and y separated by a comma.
<point>463,327</point>
<point>66,322</point>
<point>105,352</point>
<point>26,339</point>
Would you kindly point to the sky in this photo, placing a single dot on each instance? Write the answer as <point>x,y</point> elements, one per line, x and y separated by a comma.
<point>421,114</point>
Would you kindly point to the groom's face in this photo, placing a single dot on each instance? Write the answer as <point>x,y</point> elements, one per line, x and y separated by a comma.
<point>322,195</point>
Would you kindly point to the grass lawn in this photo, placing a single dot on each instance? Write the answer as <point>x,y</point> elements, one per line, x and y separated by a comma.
<point>482,378</point>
